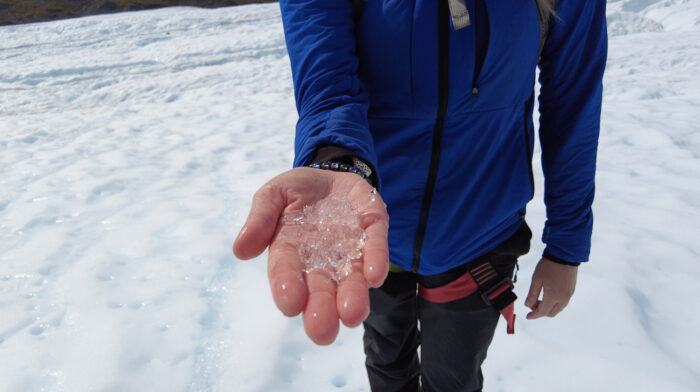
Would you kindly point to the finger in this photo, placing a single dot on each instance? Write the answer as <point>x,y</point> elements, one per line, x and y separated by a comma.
<point>353,298</point>
<point>321,313</point>
<point>534,293</point>
<point>257,232</point>
<point>543,308</point>
<point>376,249</point>
<point>286,279</point>
<point>556,309</point>
<point>534,308</point>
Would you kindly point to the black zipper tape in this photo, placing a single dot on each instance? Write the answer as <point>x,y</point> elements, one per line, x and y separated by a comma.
<point>481,46</point>
<point>443,92</point>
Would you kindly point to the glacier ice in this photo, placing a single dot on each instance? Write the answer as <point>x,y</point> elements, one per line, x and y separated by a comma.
<point>329,234</point>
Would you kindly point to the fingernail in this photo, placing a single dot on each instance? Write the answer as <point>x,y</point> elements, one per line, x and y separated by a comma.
<point>243,230</point>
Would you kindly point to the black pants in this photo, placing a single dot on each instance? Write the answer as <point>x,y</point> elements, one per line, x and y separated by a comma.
<point>453,336</point>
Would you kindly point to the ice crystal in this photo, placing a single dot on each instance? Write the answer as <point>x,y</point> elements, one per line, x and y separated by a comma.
<point>329,235</point>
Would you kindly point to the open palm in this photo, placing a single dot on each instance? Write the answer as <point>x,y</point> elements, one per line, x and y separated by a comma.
<point>322,301</point>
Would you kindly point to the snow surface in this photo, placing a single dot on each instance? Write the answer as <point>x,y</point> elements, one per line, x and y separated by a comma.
<point>130,147</point>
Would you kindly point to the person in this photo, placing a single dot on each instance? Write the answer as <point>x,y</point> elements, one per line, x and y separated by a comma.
<point>432,102</point>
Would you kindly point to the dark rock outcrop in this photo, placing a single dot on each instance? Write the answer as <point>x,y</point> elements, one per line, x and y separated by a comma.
<point>27,11</point>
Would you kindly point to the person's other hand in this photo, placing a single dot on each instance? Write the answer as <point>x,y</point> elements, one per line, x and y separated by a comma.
<point>557,281</point>
<point>322,301</point>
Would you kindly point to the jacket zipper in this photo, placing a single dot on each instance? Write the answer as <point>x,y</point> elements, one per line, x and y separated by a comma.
<point>478,50</point>
<point>443,91</point>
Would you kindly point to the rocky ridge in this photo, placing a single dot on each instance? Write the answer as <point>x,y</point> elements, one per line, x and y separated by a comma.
<point>28,11</point>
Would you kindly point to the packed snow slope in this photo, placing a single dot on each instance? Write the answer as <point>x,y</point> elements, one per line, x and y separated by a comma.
<point>131,145</point>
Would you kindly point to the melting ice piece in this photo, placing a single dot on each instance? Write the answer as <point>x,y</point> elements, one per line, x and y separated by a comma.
<point>329,235</point>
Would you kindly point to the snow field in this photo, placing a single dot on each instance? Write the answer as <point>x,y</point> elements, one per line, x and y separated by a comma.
<point>130,147</point>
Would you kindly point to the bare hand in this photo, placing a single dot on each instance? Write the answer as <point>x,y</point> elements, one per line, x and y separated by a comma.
<point>557,281</point>
<point>322,301</point>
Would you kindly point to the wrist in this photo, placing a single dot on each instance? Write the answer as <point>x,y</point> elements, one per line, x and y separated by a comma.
<point>342,167</point>
<point>331,153</point>
<point>559,260</point>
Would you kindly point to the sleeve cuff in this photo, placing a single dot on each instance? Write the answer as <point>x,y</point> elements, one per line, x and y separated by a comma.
<point>343,155</point>
<point>557,260</point>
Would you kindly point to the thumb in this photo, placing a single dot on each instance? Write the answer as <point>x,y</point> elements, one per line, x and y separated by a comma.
<point>257,232</point>
<point>534,294</point>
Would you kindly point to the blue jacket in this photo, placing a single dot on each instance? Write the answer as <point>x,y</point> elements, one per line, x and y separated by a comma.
<point>445,116</point>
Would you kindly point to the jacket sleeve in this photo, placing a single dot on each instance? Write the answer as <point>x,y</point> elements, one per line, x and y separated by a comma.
<point>571,73</point>
<point>332,106</point>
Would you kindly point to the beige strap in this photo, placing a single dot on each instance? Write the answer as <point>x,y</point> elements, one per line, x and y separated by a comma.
<point>459,13</point>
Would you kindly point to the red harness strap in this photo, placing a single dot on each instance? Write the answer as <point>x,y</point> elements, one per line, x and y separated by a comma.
<point>508,312</point>
<point>500,295</point>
